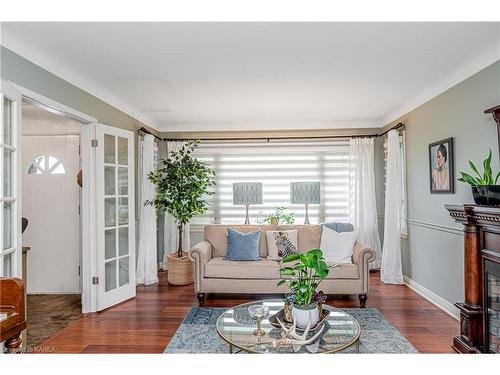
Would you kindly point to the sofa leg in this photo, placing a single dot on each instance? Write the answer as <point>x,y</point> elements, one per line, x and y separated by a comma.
<point>201,298</point>
<point>362,300</point>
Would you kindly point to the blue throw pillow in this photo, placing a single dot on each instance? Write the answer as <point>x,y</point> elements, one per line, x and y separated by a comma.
<point>242,246</point>
<point>338,227</point>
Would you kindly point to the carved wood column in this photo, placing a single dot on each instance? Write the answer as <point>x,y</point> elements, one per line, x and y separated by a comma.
<point>472,264</point>
<point>471,321</point>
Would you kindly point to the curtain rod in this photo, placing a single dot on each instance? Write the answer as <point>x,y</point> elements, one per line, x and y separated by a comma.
<point>146,131</point>
<point>398,126</point>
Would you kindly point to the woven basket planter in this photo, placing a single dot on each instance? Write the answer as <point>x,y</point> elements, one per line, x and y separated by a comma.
<point>180,270</point>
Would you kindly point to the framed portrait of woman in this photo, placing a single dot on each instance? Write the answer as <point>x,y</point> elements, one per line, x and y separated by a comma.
<point>441,171</point>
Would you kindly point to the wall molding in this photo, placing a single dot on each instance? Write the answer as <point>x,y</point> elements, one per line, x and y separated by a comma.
<point>432,297</point>
<point>436,227</point>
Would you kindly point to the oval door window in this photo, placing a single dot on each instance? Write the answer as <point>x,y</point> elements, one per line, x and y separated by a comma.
<point>46,164</point>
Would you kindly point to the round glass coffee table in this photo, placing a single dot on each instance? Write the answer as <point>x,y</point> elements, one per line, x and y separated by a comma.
<point>236,327</point>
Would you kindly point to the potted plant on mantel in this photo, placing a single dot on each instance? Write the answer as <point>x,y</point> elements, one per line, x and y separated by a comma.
<point>182,186</point>
<point>484,187</point>
<point>306,275</point>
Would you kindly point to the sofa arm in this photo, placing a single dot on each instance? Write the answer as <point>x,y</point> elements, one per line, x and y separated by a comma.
<point>362,255</point>
<point>200,253</point>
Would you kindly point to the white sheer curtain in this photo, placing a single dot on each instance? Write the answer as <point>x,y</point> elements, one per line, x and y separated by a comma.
<point>170,229</point>
<point>391,271</point>
<point>146,253</point>
<point>362,197</point>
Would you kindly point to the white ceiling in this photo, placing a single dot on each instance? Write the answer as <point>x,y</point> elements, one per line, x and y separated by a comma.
<point>242,76</point>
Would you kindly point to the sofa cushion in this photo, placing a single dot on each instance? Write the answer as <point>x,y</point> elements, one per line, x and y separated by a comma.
<point>309,236</point>
<point>243,246</point>
<point>229,269</point>
<point>216,234</point>
<point>345,271</point>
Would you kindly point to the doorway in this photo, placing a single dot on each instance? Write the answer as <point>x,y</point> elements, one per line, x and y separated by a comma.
<point>106,222</point>
<point>51,196</point>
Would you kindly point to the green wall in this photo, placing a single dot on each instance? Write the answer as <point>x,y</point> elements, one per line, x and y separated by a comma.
<point>433,251</point>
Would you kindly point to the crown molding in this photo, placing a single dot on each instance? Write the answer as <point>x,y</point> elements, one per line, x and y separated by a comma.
<point>75,79</point>
<point>266,126</point>
<point>490,56</point>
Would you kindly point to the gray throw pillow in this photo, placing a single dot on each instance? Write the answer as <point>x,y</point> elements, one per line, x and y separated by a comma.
<point>242,246</point>
<point>337,227</point>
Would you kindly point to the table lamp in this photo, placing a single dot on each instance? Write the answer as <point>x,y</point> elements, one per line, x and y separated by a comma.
<point>247,193</point>
<point>305,193</point>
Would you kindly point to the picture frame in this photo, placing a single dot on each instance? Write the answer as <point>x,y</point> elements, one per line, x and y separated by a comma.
<point>441,167</point>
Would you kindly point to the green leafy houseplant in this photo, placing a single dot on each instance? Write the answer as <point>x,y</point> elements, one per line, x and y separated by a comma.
<point>486,178</point>
<point>182,185</point>
<point>484,187</point>
<point>280,216</point>
<point>306,274</point>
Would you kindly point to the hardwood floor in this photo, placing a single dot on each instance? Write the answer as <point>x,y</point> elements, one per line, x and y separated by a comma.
<point>146,323</point>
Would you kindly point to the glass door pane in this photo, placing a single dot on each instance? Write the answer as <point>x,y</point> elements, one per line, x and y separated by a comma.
<point>7,121</point>
<point>10,249</point>
<point>118,235</point>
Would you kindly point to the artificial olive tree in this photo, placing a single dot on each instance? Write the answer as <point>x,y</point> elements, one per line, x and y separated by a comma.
<point>182,185</point>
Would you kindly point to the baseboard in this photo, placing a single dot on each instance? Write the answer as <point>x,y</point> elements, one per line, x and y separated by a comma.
<point>440,302</point>
<point>51,292</point>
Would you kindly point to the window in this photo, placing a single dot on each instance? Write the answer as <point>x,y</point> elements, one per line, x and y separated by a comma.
<point>46,164</point>
<point>276,164</point>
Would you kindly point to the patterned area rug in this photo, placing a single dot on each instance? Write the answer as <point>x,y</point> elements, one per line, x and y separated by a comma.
<point>197,333</point>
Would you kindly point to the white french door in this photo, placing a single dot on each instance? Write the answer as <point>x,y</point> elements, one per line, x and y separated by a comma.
<point>10,182</point>
<point>115,215</point>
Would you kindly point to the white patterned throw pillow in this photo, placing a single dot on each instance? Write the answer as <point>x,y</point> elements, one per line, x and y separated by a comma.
<point>281,243</point>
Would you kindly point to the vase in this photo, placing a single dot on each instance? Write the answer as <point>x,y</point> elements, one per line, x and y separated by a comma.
<point>486,195</point>
<point>302,314</point>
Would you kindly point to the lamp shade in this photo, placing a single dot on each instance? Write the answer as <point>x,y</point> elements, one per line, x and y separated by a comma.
<point>305,192</point>
<point>247,193</point>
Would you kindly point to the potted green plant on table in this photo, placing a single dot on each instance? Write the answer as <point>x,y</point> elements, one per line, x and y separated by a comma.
<point>182,186</point>
<point>484,187</point>
<point>280,216</point>
<point>309,270</point>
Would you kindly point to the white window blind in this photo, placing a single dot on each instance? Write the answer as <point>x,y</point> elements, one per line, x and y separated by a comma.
<point>276,164</point>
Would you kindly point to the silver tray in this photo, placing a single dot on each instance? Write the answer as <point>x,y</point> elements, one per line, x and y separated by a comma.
<point>281,315</point>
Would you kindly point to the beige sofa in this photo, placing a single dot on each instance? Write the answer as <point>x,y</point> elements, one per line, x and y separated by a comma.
<point>214,274</point>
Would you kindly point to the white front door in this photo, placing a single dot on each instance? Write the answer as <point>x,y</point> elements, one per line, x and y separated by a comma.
<point>51,199</point>
<point>115,215</point>
<point>10,182</point>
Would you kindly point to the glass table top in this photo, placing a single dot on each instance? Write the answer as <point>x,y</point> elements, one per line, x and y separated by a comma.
<point>235,326</point>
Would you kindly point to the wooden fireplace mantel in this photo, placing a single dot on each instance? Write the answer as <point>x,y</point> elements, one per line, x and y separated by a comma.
<point>481,237</point>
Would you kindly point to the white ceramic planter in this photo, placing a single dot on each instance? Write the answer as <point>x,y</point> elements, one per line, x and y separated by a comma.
<point>301,315</point>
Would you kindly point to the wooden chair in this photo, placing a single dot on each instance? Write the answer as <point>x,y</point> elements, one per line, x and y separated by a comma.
<point>12,313</point>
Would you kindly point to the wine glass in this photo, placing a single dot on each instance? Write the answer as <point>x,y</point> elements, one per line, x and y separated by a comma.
<point>259,313</point>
